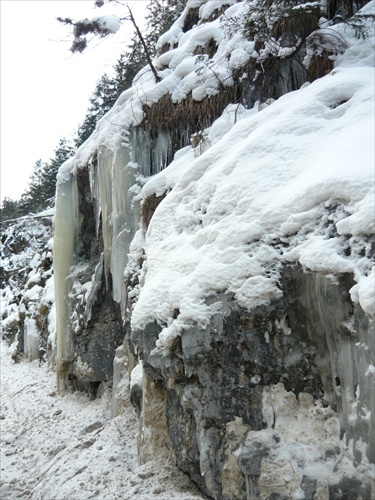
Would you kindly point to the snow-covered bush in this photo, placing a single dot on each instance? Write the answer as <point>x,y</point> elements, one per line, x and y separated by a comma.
<point>199,142</point>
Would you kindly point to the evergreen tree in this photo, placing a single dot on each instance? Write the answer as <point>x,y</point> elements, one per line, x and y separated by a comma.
<point>41,190</point>
<point>9,209</point>
<point>101,101</point>
<point>124,72</point>
<point>64,150</point>
<point>343,9</point>
<point>32,200</point>
<point>162,14</point>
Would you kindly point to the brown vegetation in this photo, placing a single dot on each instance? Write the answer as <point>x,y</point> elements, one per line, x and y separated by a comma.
<point>210,48</point>
<point>191,19</point>
<point>320,65</point>
<point>148,207</point>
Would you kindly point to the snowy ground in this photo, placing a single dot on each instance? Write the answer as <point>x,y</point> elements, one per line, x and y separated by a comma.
<point>66,447</point>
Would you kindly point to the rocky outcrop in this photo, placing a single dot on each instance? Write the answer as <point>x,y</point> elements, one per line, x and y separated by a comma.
<point>257,403</point>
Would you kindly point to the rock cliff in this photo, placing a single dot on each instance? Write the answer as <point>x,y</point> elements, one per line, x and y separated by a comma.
<point>213,248</point>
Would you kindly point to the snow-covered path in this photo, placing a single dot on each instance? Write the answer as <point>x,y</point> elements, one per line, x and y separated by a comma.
<point>66,447</point>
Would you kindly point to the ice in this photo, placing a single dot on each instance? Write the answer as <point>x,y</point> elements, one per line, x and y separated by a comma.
<point>31,339</point>
<point>66,232</point>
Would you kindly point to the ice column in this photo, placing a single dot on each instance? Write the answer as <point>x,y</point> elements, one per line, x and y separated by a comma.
<point>65,236</point>
<point>105,201</point>
<point>119,219</point>
<point>124,221</point>
<point>31,339</point>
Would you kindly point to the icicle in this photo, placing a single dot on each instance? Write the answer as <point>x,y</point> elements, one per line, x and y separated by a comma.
<point>105,196</point>
<point>141,150</point>
<point>124,221</point>
<point>31,339</point>
<point>65,234</point>
<point>119,220</point>
<point>94,188</point>
<point>162,151</point>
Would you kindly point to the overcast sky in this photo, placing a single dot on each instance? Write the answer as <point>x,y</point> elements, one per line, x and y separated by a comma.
<point>44,88</point>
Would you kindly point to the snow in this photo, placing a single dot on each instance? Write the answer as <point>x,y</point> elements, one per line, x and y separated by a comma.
<point>293,173</point>
<point>110,23</point>
<point>26,263</point>
<point>182,73</point>
<point>365,291</point>
<point>136,375</point>
<point>300,444</point>
<point>60,446</point>
<point>207,9</point>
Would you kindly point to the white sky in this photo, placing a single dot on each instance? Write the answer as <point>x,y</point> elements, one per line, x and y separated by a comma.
<point>44,88</point>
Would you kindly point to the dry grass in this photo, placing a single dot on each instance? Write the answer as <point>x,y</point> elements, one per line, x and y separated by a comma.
<point>148,207</point>
<point>191,19</point>
<point>210,48</point>
<point>43,310</point>
<point>320,65</point>
<point>11,331</point>
<point>216,13</point>
<point>191,114</point>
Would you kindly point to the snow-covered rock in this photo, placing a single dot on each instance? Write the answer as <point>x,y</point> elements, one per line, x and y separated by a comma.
<point>27,291</point>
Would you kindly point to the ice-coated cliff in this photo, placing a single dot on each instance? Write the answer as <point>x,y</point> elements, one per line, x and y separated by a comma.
<point>214,249</point>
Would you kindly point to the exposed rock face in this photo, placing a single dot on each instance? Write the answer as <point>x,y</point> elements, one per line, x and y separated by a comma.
<point>229,389</point>
<point>96,342</point>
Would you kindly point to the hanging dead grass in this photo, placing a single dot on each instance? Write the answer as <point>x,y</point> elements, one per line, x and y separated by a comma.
<point>148,207</point>
<point>320,65</point>
<point>191,19</point>
<point>210,48</point>
<point>166,115</point>
<point>216,13</point>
